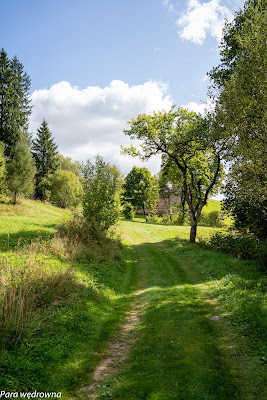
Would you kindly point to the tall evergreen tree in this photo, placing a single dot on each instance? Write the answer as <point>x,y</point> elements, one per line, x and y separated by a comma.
<point>45,153</point>
<point>14,101</point>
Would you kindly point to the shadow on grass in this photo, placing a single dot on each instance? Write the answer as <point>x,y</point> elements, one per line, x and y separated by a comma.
<point>64,339</point>
<point>177,354</point>
<point>10,241</point>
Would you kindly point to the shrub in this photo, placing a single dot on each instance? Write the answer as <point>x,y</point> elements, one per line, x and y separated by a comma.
<point>65,189</point>
<point>167,218</point>
<point>78,241</point>
<point>212,219</point>
<point>246,247</point>
<point>128,211</point>
<point>100,206</point>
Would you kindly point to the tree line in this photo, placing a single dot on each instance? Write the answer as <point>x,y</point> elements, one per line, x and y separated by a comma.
<point>30,166</point>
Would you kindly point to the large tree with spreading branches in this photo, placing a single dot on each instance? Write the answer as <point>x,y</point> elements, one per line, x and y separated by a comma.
<point>188,140</point>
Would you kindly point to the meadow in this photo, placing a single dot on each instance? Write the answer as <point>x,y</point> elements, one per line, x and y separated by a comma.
<point>200,315</point>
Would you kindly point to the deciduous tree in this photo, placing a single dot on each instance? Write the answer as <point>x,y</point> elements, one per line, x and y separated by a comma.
<point>187,139</point>
<point>20,170</point>
<point>100,186</point>
<point>65,189</point>
<point>141,189</point>
<point>241,112</point>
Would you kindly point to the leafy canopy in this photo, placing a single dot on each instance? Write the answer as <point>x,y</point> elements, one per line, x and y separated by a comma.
<point>65,189</point>
<point>100,186</point>
<point>20,170</point>
<point>190,142</point>
<point>140,189</point>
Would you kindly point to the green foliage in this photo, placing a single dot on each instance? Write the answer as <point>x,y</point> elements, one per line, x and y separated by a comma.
<point>242,113</point>
<point>60,298</point>
<point>2,167</point>
<point>20,170</point>
<point>65,189</point>
<point>45,153</point>
<point>230,44</point>
<point>66,164</point>
<point>44,187</point>
<point>141,189</point>
<point>248,216</point>
<point>192,144</point>
<point>128,210</point>
<point>246,247</point>
<point>100,186</point>
<point>213,219</point>
<point>15,101</point>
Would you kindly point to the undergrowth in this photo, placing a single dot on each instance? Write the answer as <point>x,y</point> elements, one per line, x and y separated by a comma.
<point>242,246</point>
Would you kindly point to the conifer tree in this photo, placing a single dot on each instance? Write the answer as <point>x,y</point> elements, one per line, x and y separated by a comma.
<point>14,101</point>
<point>2,168</point>
<point>45,153</point>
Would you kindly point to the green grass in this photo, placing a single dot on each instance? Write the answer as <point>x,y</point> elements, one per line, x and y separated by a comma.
<point>28,220</point>
<point>179,352</point>
<point>216,205</point>
<point>71,316</point>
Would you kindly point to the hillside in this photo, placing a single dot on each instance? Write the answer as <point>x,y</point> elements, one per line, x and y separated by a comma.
<point>155,318</point>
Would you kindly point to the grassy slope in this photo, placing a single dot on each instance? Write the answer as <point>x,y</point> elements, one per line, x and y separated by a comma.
<point>64,341</point>
<point>180,352</point>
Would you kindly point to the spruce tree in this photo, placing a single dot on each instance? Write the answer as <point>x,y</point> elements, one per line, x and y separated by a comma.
<point>14,101</point>
<point>45,153</point>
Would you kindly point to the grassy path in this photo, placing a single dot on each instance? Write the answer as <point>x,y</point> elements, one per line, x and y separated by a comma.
<point>181,347</point>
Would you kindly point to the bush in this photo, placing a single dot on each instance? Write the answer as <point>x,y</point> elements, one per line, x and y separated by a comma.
<point>153,219</point>
<point>246,247</point>
<point>100,205</point>
<point>212,219</point>
<point>128,211</point>
<point>79,242</point>
<point>65,189</point>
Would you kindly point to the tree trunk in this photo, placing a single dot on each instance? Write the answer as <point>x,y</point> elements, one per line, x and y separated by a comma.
<point>144,211</point>
<point>193,231</point>
<point>15,198</point>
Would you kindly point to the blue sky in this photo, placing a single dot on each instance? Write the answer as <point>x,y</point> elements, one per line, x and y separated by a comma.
<point>96,64</point>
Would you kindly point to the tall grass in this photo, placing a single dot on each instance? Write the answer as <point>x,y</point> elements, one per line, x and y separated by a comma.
<point>24,291</point>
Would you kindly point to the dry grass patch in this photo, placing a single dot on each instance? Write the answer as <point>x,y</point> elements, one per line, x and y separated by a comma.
<point>25,291</point>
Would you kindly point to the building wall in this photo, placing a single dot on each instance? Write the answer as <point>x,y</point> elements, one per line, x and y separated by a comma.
<point>163,206</point>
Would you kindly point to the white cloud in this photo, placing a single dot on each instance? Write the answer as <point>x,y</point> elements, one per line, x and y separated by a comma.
<point>201,108</point>
<point>88,121</point>
<point>169,5</point>
<point>202,19</point>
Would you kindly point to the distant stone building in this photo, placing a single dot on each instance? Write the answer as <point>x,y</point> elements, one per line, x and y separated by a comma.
<point>165,206</point>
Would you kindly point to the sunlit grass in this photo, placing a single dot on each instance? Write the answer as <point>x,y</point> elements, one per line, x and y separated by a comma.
<point>179,353</point>
<point>58,307</point>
